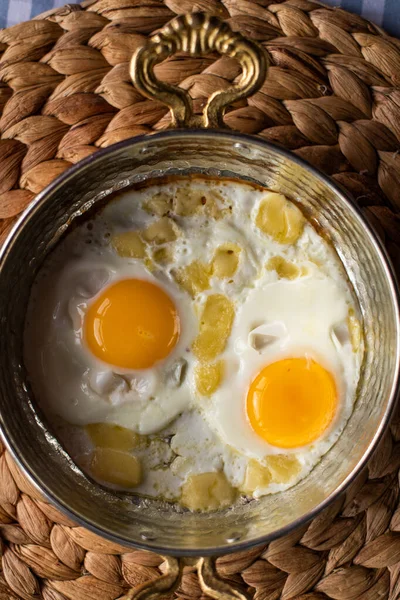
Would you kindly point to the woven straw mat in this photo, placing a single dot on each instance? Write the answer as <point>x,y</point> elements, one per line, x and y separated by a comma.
<point>331,97</point>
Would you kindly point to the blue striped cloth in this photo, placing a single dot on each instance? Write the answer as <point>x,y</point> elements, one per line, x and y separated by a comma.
<point>382,12</point>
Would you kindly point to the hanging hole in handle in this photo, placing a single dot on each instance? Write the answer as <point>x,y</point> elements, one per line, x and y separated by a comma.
<point>198,34</point>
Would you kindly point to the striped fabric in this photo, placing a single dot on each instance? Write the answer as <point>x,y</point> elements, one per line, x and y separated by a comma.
<point>382,12</point>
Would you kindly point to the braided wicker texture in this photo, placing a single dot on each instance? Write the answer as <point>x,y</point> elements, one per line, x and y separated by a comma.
<point>332,97</point>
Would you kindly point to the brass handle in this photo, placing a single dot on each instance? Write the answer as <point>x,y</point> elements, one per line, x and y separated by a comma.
<point>209,581</point>
<point>198,34</point>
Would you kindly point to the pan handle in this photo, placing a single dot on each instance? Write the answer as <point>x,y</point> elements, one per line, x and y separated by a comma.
<point>210,583</point>
<point>198,34</point>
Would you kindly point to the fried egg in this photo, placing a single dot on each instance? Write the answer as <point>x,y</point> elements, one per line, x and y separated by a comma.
<point>110,341</point>
<point>196,341</point>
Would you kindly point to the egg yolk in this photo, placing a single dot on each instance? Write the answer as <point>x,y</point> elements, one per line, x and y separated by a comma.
<point>291,402</point>
<point>132,324</point>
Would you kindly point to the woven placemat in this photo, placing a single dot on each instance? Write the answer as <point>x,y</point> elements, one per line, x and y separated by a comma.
<point>332,98</point>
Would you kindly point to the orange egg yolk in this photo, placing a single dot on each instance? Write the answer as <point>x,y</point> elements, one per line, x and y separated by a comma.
<point>132,324</point>
<point>291,402</point>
